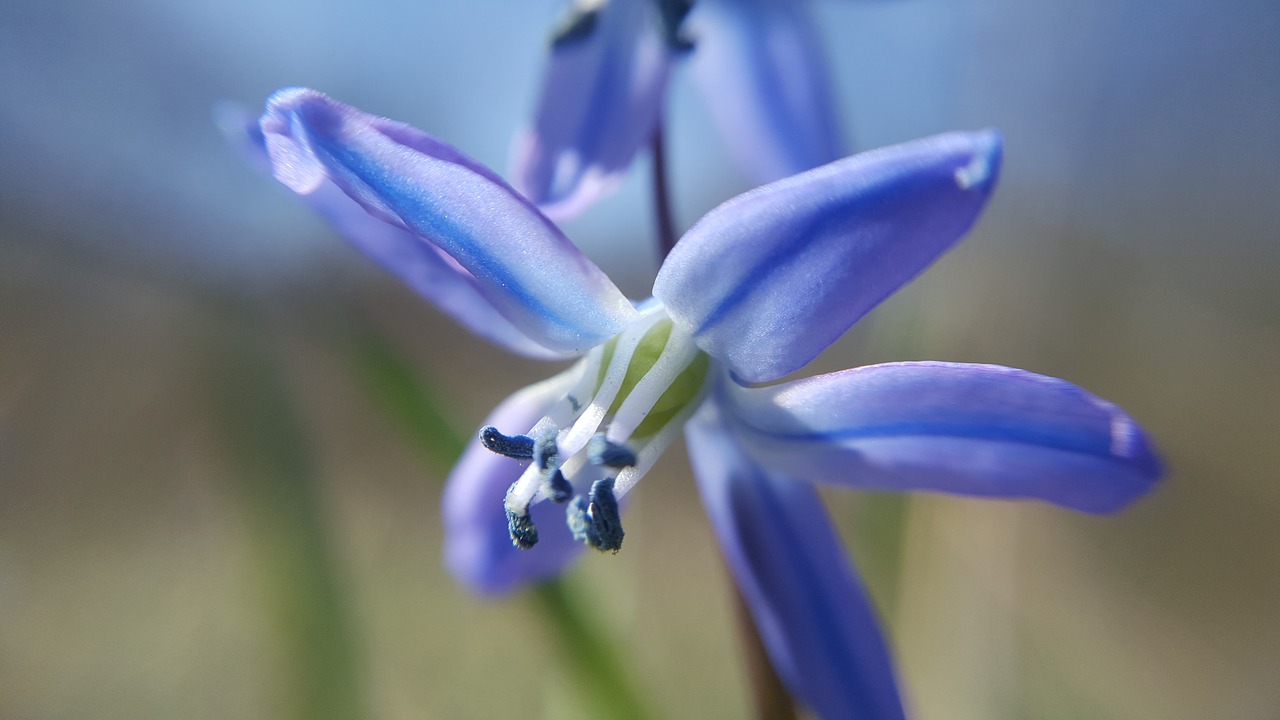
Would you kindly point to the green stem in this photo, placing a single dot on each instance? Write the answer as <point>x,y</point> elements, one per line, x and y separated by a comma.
<point>594,662</point>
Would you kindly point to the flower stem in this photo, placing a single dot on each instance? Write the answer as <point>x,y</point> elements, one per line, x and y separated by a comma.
<point>773,702</point>
<point>661,197</point>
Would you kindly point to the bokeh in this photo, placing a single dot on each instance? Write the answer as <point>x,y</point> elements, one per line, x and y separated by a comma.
<point>216,501</point>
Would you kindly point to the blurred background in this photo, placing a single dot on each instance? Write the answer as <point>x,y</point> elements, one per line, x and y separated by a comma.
<point>223,433</point>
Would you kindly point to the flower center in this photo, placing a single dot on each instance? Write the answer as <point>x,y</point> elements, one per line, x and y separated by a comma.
<point>630,398</point>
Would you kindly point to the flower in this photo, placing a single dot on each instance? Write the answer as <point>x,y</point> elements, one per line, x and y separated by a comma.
<point>758,63</point>
<point>753,292</point>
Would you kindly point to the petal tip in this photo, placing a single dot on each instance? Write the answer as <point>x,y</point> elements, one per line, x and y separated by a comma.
<point>293,162</point>
<point>1131,445</point>
<point>984,166</point>
<point>289,99</point>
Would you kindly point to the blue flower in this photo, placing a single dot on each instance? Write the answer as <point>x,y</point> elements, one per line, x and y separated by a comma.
<point>753,292</point>
<point>758,63</point>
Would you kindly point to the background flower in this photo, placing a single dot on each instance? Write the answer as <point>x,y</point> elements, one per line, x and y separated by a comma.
<point>759,64</point>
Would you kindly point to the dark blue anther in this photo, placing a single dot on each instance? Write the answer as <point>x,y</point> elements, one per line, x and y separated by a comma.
<point>558,488</point>
<point>545,451</point>
<point>602,451</point>
<point>523,533</point>
<point>519,447</point>
<point>597,522</point>
<point>605,518</point>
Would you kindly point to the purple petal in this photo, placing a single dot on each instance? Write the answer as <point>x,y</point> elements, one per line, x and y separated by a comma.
<point>457,209</point>
<point>761,68</point>
<point>770,278</point>
<point>809,606</point>
<point>425,268</point>
<point>477,544</point>
<point>601,99</point>
<point>970,429</point>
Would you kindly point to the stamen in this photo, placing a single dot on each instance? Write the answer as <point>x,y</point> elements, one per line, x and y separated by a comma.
<point>517,447</point>
<point>524,534</point>
<point>558,487</point>
<point>545,453</point>
<point>609,385</point>
<point>597,522</point>
<point>603,451</point>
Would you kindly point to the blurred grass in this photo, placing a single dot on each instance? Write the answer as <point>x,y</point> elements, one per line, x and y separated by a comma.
<point>404,395</point>
<point>288,526</point>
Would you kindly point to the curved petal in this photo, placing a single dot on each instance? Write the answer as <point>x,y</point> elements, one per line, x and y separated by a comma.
<point>518,260</point>
<point>970,429</point>
<point>601,100</point>
<point>421,265</point>
<point>810,608</point>
<point>477,542</point>
<point>770,278</point>
<point>761,68</point>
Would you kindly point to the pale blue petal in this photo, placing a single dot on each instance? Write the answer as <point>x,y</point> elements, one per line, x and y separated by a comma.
<point>979,430</point>
<point>601,101</point>
<point>770,278</point>
<point>811,610</point>
<point>761,68</point>
<point>477,544</point>
<point>420,264</point>
<point>521,263</point>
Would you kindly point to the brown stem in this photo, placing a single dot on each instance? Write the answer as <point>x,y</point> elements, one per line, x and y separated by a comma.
<point>661,196</point>
<point>773,702</point>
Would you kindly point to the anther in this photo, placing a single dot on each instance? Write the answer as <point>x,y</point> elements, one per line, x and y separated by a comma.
<point>524,534</point>
<point>602,451</point>
<point>597,522</point>
<point>518,447</point>
<point>558,488</point>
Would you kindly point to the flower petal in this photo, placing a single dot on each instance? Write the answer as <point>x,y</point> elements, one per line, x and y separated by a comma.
<point>760,66</point>
<point>601,99</point>
<point>519,261</point>
<point>421,265</point>
<point>970,429</point>
<point>770,278</point>
<point>477,542</point>
<point>810,608</point>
